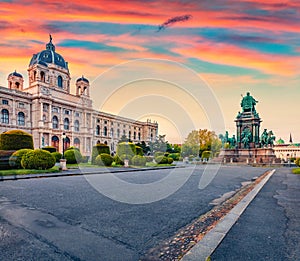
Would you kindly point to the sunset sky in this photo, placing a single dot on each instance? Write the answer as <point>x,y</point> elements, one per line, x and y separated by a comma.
<point>233,46</point>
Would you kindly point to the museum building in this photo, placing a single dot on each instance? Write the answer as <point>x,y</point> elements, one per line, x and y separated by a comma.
<point>48,110</point>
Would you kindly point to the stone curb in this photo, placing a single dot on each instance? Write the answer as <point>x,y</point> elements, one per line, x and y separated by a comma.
<point>78,172</point>
<point>203,249</point>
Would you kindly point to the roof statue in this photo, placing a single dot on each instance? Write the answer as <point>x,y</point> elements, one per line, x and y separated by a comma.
<point>248,103</point>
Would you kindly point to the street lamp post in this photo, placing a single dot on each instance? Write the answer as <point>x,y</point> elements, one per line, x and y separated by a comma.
<point>63,161</point>
<point>63,144</point>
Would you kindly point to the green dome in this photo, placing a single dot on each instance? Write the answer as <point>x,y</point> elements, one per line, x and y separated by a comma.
<point>280,141</point>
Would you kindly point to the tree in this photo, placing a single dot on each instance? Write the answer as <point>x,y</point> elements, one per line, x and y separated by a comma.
<point>159,144</point>
<point>191,145</point>
<point>199,141</point>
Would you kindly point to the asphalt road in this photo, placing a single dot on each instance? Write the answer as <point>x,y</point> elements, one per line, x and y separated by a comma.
<point>269,228</point>
<point>65,218</point>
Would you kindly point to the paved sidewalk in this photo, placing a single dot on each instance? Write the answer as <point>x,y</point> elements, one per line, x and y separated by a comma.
<point>269,228</point>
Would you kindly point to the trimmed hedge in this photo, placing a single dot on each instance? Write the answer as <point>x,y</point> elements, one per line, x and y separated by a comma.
<point>138,160</point>
<point>4,158</point>
<point>38,159</point>
<point>175,156</point>
<point>15,140</point>
<point>118,160</point>
<point>297,162</point>
<point>49,148</point>
<point>98,149</point>
<point>161,160</point>
<point>16,158</point>
<point>170,160</point>
<point>57,156</point>
<point>73,156</point>
<point>206,154</point>
<point>104,159</point>
<point>126,148</point>
<point>139,151</point>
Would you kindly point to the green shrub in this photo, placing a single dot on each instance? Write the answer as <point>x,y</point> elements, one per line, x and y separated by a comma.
<point>139,151</point>
<point>15,140</point>
<point>206,154</point>
<point>104,159</point>
<point>99,149</point>
<point>49,148</point>
<point>57,156</point>
<point>158,153</point>
<point>72,148</point>
<point>149,158</point>
<point>297,162</point>
<point>161,160</point>
<point>73,156</point>
<point>126,148</point>
<point>175,156</point>
<point>138,160</point>
<point>16,157</point>
<point>118,160</point>
<point>170,160</point>
<point>191,157</point>
<point>38,159</point>
<point>4,158</point>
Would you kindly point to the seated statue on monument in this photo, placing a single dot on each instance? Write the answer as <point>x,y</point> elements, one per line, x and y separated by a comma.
<point>248,103</point>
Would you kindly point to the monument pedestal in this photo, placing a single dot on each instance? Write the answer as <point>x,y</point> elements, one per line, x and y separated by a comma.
<point>249,156</point>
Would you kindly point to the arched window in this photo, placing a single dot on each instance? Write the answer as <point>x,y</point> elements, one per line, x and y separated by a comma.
<point>59,81</point>
<point>112,132</point>
<point>4,116</point>
<point>76,142</point>
<point>17,85</point>
<point>105,131</point>
<point>67,143</point>
<point>97,130</point>
<point>21,119</point>
<point>134,135</point>
<point>76,125</point>
<point>118,133</point>
<point>129,134</point>
<point>42,76</point>
<point>66,124</point>
<point>55,142</point>
<point>34,75</point>
<point>55,122</point>
<point>139,135</point>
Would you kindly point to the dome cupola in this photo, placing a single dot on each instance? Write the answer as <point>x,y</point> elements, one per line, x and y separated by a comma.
<point>48,56</point>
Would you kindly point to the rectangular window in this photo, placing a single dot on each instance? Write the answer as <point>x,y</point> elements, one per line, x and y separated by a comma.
<point>67,112</point>
<point>21,105</point>
<point>45,107</point>
<point>77,114</point>
<point>5,102</point>
<point>55,109</point>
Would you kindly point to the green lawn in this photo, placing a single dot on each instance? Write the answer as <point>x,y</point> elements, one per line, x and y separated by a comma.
<point>27,171</point>
<point>296,171</point>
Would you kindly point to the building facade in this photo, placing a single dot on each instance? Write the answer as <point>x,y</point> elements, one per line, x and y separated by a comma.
<point>46,109</point>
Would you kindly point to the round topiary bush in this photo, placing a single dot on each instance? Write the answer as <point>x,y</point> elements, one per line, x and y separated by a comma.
<point>57,156</point>
<point>38,159</point>
<point>126,148</point>
<point>297,162</point>
<point>138,160</point>
<point>170,160</point>
<point>104,159</point>
<point>175,156</point>
<point>49,148</point>
<point>161,160</point>
<point>16,158</point>
<point>118,160</point>
<point>206,154</point>
<point>73,156</point>
<point>99,149</point>
<point>15,140</point>
<point>149,158</point>
<point>4,158</point>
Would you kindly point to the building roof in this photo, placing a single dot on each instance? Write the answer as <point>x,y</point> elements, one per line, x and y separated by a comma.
<point>15,74</point>
<point>82,79</point>
<point>48,56</point>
